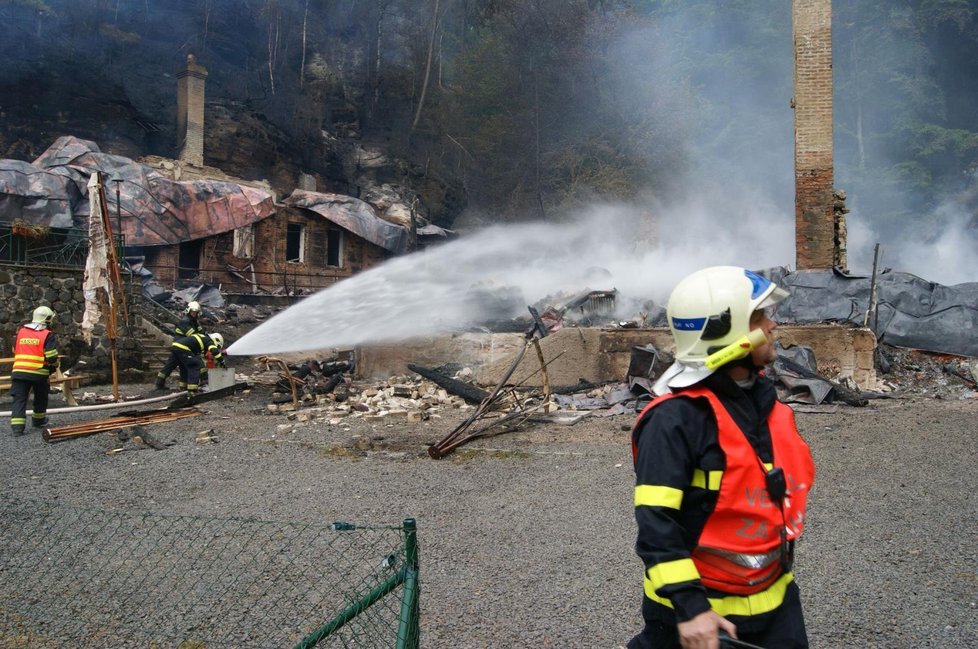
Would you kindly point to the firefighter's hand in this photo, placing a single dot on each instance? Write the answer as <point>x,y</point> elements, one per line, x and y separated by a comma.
<point>701,632</point>
<point>223,363</point>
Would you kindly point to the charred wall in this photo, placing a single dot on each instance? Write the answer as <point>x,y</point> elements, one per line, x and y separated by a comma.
<point>268,266</point>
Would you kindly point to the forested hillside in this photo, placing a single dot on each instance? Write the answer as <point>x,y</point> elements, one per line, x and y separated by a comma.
<point>533,106</point>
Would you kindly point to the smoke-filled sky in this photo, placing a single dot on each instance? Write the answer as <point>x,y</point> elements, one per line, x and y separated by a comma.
<point>740,136</point>
<point>736,207</point>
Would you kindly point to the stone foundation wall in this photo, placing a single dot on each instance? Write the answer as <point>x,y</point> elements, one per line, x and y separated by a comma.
<point>600,355</point>
<point>25,288</point>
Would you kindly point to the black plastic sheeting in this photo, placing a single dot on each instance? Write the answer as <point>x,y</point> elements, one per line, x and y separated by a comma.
<point>911,312</point>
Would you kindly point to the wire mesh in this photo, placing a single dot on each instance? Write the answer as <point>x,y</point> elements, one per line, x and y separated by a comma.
<point>76,577</point>
<point>44,246</point>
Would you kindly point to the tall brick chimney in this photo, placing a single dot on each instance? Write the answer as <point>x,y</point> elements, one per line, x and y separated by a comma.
<point>190,112</point>
<point>819,225</point>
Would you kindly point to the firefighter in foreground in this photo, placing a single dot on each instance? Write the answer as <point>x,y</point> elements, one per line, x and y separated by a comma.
<point>722,476</point>
<point>189,325</point>
<point>186,353</point>
<point>35,357</point>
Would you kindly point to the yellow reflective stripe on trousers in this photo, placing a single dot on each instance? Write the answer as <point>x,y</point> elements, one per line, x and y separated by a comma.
<point>763,602</point>
<point>671,572</point>
<point>656,496</point>
<point>707,479</point>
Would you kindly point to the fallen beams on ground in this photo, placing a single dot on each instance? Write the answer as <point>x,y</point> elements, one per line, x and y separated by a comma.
<point>74,431</point>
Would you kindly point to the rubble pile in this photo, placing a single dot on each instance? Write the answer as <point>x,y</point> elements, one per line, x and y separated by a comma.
<point>410,399</point>
<point>911,372</point>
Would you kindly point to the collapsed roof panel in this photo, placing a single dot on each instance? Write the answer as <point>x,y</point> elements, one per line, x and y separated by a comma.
<point>35,195</point>
<point>154,209</point>
<point>354,215</point>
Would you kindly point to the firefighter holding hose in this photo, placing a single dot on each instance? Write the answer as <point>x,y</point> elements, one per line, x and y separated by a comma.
<point>187,354</point>
<point>722,476</point>
<point>189,325</point>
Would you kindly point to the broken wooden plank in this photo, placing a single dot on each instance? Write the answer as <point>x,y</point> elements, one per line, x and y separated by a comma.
<point>467,391</point>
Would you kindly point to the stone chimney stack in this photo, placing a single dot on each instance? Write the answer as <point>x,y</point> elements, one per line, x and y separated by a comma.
<point>190,112</point>
<point>819,226</point>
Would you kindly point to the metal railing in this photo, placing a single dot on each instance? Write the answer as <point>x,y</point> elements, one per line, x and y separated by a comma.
<point>32,245</point>
<point>76,577</point>
<point>244,281</point>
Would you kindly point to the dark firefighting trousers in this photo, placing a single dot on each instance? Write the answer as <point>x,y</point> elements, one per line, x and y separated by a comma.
<point>783,628</point>
<point>173,363</point>
<point>189,365</point>
<point>20,389</point>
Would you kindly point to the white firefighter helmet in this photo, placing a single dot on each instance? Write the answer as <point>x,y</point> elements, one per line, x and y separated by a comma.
<point>42,315</point>
<point>709,311</point>
<point>217,339</point>
<point>193,307</point>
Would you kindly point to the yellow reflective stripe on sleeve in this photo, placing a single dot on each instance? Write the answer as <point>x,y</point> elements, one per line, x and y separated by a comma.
<point>51,353</point>
<point>656,496</point>
<point>763,602</point>
<point>707,479</point>
<point>671,572</point>
<point>181,346</point>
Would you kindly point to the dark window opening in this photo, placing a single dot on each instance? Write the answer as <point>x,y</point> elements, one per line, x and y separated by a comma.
<point>294,242</point>
<point>189,261</point>
<point>334,247</point>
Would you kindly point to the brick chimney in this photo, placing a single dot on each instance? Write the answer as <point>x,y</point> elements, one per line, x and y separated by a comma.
<point>190,112</point>
<point>819,226</point>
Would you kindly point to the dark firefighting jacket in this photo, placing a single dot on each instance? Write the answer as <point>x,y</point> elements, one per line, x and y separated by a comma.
<point>187,327</point>
<point>196,345</point>
<point>709,533</point>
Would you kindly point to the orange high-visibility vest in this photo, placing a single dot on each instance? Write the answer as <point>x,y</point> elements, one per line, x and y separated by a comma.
<point>739,548</point>
<point>29,351</point>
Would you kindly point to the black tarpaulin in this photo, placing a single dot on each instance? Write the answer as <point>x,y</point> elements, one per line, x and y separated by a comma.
<point>912,312</point>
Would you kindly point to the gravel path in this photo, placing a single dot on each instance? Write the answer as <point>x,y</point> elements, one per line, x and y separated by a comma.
<point>526,538</point>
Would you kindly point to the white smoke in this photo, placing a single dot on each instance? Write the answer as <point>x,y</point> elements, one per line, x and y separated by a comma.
<point>444,289</point>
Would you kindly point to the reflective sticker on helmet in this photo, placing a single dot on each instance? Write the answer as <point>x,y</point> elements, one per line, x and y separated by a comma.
<point>759,284</point>
<point>688,324</point>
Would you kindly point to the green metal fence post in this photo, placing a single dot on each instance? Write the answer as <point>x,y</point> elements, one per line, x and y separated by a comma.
<point>409,626</point>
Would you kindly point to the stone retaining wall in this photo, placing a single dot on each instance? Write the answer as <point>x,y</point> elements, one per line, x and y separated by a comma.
<point>22,289</point>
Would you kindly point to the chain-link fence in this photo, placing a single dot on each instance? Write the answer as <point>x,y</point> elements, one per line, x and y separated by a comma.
<point>75,577</point>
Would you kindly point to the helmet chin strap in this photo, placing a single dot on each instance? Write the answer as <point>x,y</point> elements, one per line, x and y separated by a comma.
<point>736,350</point>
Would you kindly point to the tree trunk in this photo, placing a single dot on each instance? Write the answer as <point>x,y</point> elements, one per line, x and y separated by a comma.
<point>302,66</point>
<point>427,67</point>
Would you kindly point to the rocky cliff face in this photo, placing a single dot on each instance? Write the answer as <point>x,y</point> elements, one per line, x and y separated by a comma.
<point>239,141</point>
